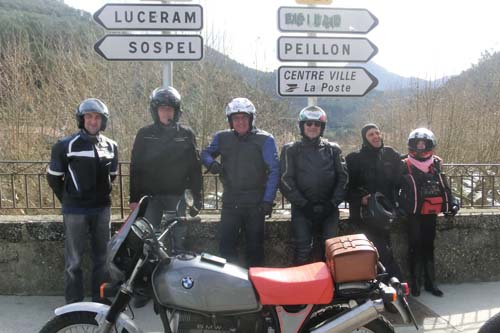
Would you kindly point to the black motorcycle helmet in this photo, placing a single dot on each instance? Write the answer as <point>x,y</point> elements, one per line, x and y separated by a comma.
<point>379,208</point>
<point>91,105</point>
<point>168,96</point>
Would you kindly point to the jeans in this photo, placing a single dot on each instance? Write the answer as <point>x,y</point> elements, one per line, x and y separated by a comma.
<point>77,228</point>
<point>309,236</point>
<point>251,221</point>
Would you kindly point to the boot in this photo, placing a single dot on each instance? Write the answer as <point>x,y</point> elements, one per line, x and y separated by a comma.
<point>430,279</point>
<point>415,266</point>
<point>415,276</point>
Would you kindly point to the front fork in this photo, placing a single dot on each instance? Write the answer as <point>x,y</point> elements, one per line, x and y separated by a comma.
<point>121,300</point>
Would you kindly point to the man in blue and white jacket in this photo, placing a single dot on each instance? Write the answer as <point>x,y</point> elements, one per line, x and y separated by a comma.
<point>249,171</point>
<point>80,173</point>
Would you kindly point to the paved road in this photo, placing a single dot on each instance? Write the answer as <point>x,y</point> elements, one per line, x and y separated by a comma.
<point>463,310</point>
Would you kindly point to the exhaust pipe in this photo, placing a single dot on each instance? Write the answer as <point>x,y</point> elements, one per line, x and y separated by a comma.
<point>356,318</point>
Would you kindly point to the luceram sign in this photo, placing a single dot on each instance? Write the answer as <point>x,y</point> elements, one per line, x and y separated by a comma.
<point>325,81</point>
<point>150,47</point>
<point>330,49</point>
<point>325,19</point>
<point>150,17</point>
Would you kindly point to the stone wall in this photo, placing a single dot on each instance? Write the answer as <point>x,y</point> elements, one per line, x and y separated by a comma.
<point>32,256</point>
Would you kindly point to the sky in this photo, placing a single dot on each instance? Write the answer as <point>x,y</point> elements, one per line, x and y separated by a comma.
<point>428,39</point>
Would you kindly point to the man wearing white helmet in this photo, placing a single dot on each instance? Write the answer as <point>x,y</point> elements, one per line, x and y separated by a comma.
<point>82,167</point>
<point>249,171</point>
<point>424,194</point>
<point>314,179</point>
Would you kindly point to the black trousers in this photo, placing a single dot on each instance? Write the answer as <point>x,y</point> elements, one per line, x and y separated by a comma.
<point>381,238</point>
<point>250,221</point>
<point>167,204</point>
<point>421,235</point>
<point>310,235</point>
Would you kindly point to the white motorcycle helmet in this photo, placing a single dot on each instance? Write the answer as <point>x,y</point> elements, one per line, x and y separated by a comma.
<point>240,105</point>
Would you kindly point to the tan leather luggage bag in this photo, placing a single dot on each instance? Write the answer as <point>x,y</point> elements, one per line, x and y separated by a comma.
<point>351,258</point>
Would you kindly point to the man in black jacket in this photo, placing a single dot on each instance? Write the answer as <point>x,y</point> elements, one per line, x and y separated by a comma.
<point>165,162</point>
<point>374,168</point>
<point>82,167</point>
<point>314,179</point>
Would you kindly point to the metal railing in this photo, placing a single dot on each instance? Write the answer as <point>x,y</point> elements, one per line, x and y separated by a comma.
<point>24,188</point>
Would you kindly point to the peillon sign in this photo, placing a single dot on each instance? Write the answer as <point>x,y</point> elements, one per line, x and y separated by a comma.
<point>328,49</point>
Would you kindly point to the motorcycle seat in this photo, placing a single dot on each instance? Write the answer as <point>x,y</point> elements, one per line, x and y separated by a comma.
<point>307,284</point>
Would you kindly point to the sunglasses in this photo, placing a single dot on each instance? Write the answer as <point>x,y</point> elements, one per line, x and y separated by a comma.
<point>313,123</point>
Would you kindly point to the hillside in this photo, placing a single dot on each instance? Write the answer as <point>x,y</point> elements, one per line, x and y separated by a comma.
<point>49,66</point>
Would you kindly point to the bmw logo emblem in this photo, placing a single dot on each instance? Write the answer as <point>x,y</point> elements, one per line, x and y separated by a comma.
<point>187,282</point>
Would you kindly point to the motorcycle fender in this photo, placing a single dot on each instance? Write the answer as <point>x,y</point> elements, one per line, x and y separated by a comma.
<point>101,310</point>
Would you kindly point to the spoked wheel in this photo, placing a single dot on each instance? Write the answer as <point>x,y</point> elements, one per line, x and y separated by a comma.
<point>72,322</point>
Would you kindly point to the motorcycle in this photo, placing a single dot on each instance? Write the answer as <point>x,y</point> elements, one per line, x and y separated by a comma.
<point>492,325</point>
<point>204,293</point>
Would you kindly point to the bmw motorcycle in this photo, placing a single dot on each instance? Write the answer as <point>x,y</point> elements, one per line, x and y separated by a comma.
<point>204,293</point>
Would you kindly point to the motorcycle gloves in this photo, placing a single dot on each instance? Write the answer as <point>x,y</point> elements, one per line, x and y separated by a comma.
<point>318,210</point>
<point>215,168</point>
<point>454,207</point>
<point>267,208</point>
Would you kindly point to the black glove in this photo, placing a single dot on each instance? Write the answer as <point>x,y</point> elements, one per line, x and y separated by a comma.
<point>267,208</point>
<point>454,207</point>
<point>215,168</point>
<point>195,209</point>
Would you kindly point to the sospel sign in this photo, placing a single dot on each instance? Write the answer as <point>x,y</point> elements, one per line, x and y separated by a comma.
<point>325,19</point>
<point>150,47</point>
<point>325,81</point>
<point>330,49</point>
<point>150,17</point>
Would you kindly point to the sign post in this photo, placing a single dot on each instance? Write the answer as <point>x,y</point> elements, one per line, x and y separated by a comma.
<point>162,17</point>
<point>324,81</point>
<point>313,81</point>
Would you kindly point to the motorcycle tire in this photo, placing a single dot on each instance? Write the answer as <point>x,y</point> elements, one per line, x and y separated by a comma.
<point>379,325</point>
<point>492,325</point>
<point>81,321</point>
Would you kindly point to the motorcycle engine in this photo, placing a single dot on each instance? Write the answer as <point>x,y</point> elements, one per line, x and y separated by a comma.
<point>196,323</point>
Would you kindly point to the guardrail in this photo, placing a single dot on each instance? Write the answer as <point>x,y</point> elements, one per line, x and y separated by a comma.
<point>24,188</point>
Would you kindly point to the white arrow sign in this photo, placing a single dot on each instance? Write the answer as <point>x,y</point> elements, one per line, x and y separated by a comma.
<point>150,17</point>
<point>325,81</point>
<point>150,47</point>
<point>324,19</point>
<point>330,49</point>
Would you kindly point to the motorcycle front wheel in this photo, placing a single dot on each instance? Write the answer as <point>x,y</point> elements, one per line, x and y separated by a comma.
<point>492,325</point>
<point>73,322</point>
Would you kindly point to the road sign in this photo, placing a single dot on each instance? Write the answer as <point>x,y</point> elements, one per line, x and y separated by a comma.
<point>329,49</point>
<point>325,19</point>
<point>314,2</point>
<point>150,17</point>
<point>325,81</point>
<point>150,47</point>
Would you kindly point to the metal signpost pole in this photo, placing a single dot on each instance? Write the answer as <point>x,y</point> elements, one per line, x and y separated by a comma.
<point>311,100</point>
<point>168,67</point>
